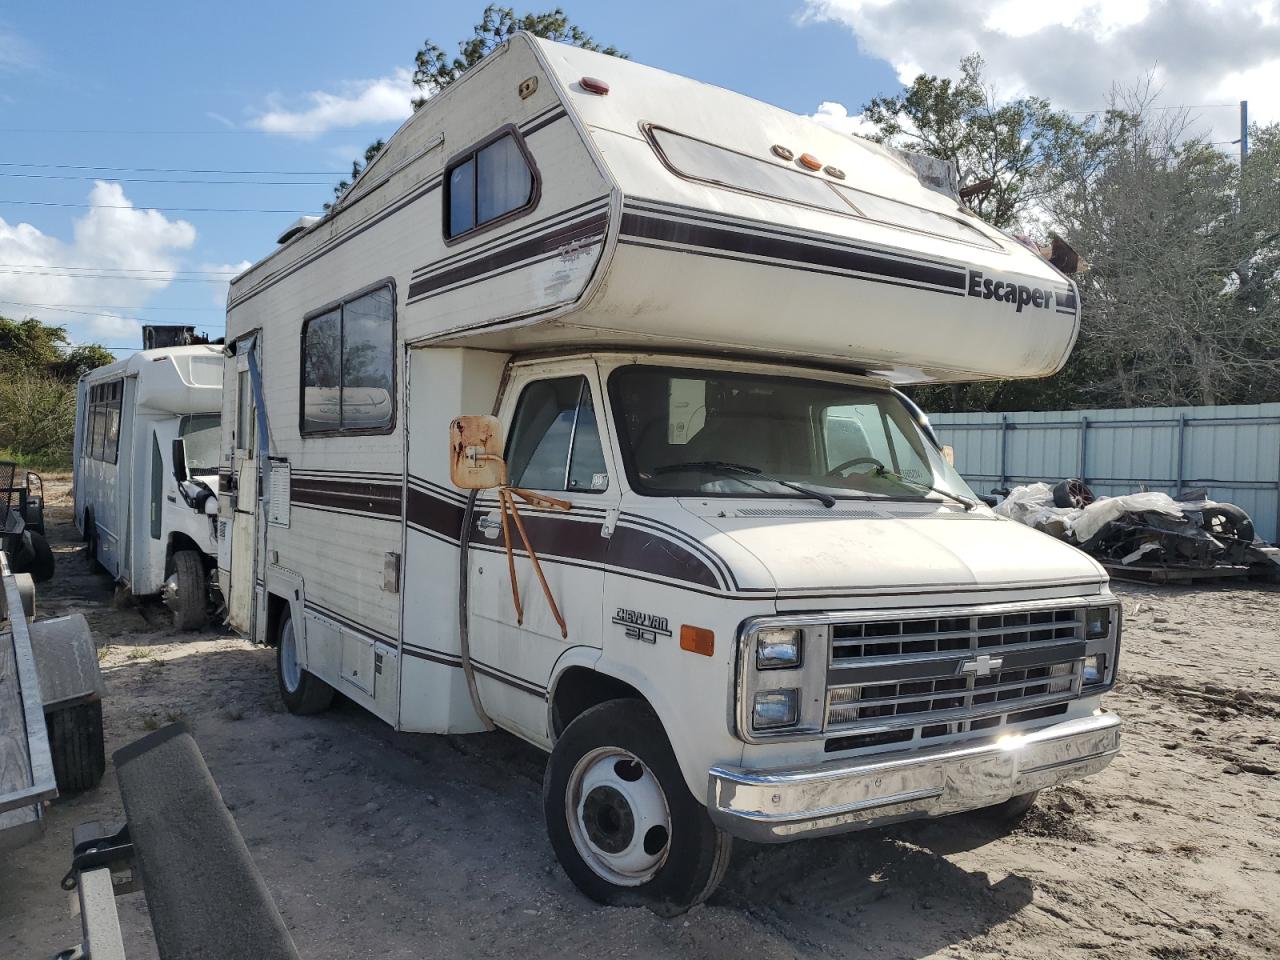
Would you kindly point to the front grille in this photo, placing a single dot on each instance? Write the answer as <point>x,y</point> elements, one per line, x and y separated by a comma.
<point>921,677</point>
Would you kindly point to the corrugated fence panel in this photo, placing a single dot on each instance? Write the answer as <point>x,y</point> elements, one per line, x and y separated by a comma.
<point>1233,451</point>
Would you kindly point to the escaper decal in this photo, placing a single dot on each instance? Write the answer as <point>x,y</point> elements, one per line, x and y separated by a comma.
<point>1006,290</point>
<point>638,625</point>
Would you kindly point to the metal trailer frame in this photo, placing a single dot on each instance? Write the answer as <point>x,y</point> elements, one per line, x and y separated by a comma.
<point>41,785</point>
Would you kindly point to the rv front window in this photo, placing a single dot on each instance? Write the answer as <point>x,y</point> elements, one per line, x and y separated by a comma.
<point>693,432</point>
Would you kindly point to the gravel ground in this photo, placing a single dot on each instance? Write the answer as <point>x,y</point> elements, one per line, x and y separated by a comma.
<point>380,844</point>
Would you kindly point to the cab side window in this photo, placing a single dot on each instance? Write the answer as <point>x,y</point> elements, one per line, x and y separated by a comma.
<point>555,441</point>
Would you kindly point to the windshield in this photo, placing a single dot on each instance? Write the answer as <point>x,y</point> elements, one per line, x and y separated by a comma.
<point>202,433</point>
<point>686,431</point>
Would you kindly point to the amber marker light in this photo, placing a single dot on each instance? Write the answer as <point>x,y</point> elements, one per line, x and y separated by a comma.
<point>697,640</point>
<point>810,162</point>
<point>592,85</point>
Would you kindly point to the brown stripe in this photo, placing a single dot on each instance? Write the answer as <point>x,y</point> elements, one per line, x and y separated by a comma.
<point>434,513</point>
<point>379,498</point>
<point>515,253</point>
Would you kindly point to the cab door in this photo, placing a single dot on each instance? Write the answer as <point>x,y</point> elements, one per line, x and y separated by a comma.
<point>554,446</point>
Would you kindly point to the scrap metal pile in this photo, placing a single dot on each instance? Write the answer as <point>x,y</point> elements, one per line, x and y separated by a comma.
<point>1146,536</point>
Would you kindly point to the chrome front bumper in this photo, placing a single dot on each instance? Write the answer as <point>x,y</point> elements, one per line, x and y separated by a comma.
<point>773,806</point>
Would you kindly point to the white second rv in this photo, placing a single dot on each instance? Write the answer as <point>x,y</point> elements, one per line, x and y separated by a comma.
<point>148,519</point>
<point>744,593</point>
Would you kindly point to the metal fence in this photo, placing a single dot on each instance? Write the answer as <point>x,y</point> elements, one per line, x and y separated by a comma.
<point>1232,451</point>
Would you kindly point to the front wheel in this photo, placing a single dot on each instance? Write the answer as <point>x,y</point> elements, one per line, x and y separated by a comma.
<point>186,592</point>
<point>620,817</point>
<point>302,692</point>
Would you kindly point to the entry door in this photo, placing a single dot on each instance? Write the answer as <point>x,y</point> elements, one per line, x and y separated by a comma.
<point>554,446</point>
<point>244,499</point>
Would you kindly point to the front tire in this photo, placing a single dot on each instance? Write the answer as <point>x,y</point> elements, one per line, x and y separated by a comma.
<point>620,817</point>
<point>302,692</point>
<point>1011,812</point>
<point>186,592</point>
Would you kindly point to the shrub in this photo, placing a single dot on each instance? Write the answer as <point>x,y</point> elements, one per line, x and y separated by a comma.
<point>37,416</point>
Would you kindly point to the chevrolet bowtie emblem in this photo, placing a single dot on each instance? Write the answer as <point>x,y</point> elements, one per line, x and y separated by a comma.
<point>982,666</point>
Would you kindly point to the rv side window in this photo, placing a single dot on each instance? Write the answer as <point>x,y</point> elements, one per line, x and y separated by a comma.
<point>555,441</point>
<point>102,421</point>
<point>492,181</point>
<point>348,361</point>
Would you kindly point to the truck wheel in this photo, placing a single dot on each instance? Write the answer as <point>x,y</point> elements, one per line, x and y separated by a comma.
<point>621,819</point>
<point>1011,812</point>
<point>186,592</point>
<point>34,557</point>
<point>302,692</point>
<point>75,743</point>
<point>91,543</point>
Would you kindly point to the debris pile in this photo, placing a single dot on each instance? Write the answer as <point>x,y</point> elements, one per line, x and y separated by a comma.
<point>1146,536</point>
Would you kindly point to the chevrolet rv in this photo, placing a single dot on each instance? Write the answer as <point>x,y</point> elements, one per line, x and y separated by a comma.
<point>578,416</point>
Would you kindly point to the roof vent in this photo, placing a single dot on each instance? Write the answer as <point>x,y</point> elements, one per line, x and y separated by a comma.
<point>301,225</point>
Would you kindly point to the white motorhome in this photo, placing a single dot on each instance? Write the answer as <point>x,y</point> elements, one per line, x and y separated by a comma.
<point>772,609</point>
<point>149,520</point>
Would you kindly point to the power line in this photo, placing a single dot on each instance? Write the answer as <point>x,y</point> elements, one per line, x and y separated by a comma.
<point>107,276</point>
<point>83,166</point>
<point>75,307</point>
<point>1172,106</point>
<point>272,183</point>
<point>59,266</point>
<point>221,322</point>
<point>126,206</point>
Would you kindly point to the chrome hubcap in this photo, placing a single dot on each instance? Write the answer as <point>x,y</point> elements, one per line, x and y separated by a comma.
<point>290,671</point>
<point>618,816</point>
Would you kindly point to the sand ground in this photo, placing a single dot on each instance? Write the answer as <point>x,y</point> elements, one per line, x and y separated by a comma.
<point>380,844</point>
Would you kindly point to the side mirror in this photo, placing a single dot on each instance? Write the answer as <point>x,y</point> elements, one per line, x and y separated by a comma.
<point>949,454</point>
<point>180,460</point>
<point>475,453</point>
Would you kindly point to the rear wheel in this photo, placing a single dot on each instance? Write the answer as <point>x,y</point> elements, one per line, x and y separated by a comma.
<point>620,817</point>
<point>186,592</point>
<point>301,691</point>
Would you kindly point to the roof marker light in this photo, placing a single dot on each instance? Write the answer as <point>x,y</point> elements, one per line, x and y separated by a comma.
<point>780,151</point>
<point>592,85</point>
<point>810,162</point>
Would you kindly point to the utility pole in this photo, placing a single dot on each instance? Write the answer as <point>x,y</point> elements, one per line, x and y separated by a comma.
<point>1244,132</point>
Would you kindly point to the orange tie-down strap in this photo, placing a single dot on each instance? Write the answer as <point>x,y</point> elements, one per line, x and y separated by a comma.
<point>511,513</point>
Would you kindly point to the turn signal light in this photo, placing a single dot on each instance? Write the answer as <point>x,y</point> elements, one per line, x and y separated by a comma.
<point>810,162</point>
<point>592,85</point>
<point>697,640</point>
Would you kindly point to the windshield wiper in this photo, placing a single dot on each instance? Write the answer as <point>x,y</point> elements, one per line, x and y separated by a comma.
<point>720,466</point>
<point>963,501</point>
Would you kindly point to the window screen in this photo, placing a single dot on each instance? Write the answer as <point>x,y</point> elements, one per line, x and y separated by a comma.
<point>348,362</point>
<point>555,441</point>
<point>491,182</point>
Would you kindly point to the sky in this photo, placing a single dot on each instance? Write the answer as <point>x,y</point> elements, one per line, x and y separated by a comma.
<point>149,151</point>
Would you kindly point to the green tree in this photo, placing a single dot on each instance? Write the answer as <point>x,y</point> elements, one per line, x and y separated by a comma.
<point>1011,152</point>
<point>29,346</point>
<point>434,69</point>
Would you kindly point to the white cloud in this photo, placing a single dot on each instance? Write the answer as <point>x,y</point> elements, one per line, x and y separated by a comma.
<point>1201,51</point>
<point>15,52</point>
<point>836,116</point>
<point>219,290</point>
<point>120,256</point>
<point>359,103</point>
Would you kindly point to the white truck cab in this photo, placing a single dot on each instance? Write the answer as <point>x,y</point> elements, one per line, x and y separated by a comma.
<point>578,417</point>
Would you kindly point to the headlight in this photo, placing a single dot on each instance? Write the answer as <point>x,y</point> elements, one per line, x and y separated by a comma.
<point>1097,623</point>
<point>775,708</point>
<point>777,648</point>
